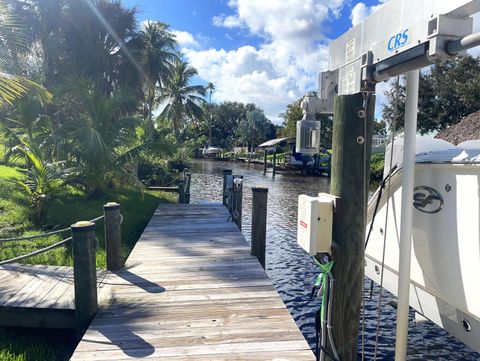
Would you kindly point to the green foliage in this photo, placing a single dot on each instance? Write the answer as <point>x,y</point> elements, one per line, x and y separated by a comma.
<point>180,160</point>
<point>41,178</point>
<point>225,120</point>
<point>13,41</point>
<point>154,172</point>
<point>447,93</point>
<point>290,118</point>
<point>17,345</point>
<point>294,114</point>
<point>255,129</point>
<point>154,48</point>
<point>377,163</point>
<point>380,127</point>
<point>69,206</point>
<point>183,101</point>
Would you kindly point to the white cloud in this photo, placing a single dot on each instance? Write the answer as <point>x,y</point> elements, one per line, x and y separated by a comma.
<point>184,38</point>
<point>284,66</point>
<point>359,12</point>
<point>229,21</point>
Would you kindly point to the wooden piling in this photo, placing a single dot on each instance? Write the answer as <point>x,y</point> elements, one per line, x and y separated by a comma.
<point>238,201</point>
<point>181,192</point>
<point>113,235</point>
<point>352,141</point>
<point>187,187</point>
<point>264,161</point>
<point>274,161</point>
<point>259,223</point>
<point>84,272</point>
<point>226,172</point>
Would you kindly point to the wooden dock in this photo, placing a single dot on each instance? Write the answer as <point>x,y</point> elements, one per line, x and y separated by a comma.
<point>38,295</point>
<point>190,290</point>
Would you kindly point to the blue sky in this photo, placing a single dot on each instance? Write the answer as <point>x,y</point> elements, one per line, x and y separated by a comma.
<point>268,52</point>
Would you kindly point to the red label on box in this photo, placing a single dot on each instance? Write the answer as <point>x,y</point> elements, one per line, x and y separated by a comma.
<point>303,224</point>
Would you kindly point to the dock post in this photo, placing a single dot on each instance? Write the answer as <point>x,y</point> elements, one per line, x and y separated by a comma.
<point>226,172</point>
<point>181,192</point>
<point>237,201</point>
<point>352,142</point>
<point>84,272</point>
<point>259,223</point>
<point>113,235</point>
<point>187,188</point>
<point>264,161</point>
<point>274,160</point>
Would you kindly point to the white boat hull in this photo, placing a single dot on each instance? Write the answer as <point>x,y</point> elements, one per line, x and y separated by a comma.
<point>445,268</point>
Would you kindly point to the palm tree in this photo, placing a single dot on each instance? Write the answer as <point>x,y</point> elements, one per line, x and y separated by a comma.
<point>210,88</point>
<point>104,139</point>
<point>12,41</point>
<point>41,179</point>
<point>182,101</point>
<point>154,47</point>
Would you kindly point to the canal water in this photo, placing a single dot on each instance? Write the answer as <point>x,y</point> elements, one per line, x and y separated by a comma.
<point>293,271</point>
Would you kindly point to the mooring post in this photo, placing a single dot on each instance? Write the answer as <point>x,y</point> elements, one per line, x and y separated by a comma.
<point>238,200</point>
<point>226,172</point>
<point>259,223</point>
<point>274,160</point>
<point>113,235</point>
<point>84,272</point>
<point>352,142</point>
<point>264,161</point>
<point>181,192</point>
<point>187,188</point>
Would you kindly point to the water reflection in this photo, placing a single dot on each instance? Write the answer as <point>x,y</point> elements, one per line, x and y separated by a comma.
<point>292,270</point>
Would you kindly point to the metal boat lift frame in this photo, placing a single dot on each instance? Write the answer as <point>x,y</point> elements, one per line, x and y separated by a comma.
<point>401,37</point>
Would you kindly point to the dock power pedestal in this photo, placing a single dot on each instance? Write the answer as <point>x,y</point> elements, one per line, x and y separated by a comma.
<point>315,222</point>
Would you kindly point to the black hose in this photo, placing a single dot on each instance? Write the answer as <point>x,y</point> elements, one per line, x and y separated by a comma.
<point>379,198</point>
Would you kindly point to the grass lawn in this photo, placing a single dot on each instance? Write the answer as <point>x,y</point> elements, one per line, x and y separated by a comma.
<point>68,207</point>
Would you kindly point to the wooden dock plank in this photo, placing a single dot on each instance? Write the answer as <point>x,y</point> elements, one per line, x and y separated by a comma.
<point>190,290</point>
<point>39,286</point>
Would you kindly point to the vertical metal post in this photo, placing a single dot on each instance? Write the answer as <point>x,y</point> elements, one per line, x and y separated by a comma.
<point>226,172</point>
<point>113,238</point>
<point>408,180</point>
<point>84,272</point>
<point>259,223</point>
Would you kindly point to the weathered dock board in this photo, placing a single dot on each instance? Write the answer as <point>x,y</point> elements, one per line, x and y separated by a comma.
<point>38,295</point>
<point>190,290</point>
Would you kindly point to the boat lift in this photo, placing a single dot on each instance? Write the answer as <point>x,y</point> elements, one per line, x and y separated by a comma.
<point>401,37</point>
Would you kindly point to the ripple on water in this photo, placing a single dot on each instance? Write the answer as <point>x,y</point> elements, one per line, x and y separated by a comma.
<point>292,271</point>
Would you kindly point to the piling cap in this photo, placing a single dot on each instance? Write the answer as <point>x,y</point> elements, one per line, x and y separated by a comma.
<point>83,226</point>
<point>260,189</point>
<point>111,205</point>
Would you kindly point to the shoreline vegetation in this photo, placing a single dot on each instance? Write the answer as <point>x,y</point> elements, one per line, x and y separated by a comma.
<point>80,126</point>
<point>69,206</point>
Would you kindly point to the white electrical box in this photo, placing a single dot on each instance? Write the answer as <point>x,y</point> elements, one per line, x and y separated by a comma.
<point>315,221</point>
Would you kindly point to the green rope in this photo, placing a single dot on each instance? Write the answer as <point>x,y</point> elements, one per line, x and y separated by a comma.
<point>322,282</point>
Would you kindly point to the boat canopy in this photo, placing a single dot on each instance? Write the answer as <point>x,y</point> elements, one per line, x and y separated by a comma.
<point>272,142</point>
<point>431,150</point>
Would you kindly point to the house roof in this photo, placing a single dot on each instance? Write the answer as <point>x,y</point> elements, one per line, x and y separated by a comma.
<point>272,142</point>
<point>467,128</point>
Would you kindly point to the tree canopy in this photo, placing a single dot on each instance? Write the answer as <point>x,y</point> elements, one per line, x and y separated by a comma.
<point>447,93</point>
